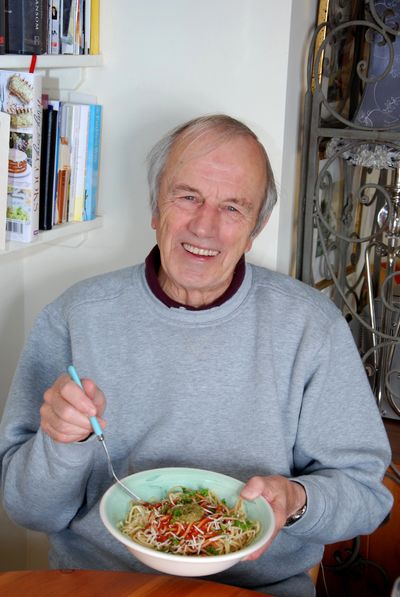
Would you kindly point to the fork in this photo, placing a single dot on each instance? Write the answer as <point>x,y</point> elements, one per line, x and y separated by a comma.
<point>100,436</point>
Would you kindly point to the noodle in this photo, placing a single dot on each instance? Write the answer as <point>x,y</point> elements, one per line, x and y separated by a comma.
<point>190,522</point>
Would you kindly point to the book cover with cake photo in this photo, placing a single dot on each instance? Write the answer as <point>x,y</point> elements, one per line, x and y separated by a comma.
<point>21,98</point>
<point>4,143</point>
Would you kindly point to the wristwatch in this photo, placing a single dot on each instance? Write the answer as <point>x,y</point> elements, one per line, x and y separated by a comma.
<point>296,516</point>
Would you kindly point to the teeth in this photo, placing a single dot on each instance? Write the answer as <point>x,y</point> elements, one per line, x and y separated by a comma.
<point>198,251</point>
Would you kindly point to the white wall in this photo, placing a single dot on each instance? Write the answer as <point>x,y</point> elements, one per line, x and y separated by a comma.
<point>165,62</point>
<point>301,28</point>
<point>12,538</point>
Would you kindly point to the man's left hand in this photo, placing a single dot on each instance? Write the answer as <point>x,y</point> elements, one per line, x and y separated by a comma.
<point>285,497</point>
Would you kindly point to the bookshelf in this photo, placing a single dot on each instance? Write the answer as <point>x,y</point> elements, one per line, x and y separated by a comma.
<point>46,62</point>
<point>52,237</point>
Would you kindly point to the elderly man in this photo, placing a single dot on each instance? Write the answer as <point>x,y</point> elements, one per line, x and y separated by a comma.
<point>203,360</point>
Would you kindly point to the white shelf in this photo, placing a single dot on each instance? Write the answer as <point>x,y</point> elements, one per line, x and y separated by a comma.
<point>56,235</point>
<point>52,237</point>
<point>45,61</point>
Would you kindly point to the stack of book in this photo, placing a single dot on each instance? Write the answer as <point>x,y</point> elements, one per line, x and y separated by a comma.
<point>49,26</point>
<point>53,158</point>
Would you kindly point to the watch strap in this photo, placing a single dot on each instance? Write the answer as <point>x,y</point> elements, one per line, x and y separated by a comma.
<point>296,516</point>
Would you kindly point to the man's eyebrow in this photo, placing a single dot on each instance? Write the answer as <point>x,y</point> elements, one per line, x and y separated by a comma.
<point>179,188</point>
<point>242,201</point>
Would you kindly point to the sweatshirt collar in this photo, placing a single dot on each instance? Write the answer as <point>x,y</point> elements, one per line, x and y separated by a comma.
<point>152,266</point>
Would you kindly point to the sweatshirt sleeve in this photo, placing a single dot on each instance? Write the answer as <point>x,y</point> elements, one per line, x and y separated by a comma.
<point>343,461</point>
<point>43,482</point>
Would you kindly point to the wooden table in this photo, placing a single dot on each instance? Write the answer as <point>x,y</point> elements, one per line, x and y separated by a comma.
<point>94,583</point>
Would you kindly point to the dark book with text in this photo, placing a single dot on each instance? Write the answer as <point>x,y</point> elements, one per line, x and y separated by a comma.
<point>48,150</point>
<point>26,23</point>
<point>2,27</point>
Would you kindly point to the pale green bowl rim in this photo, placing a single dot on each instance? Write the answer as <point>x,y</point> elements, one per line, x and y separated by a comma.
<point>149,483</point>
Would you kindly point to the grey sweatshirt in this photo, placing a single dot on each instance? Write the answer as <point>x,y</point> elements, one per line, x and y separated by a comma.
<point>268,383</point>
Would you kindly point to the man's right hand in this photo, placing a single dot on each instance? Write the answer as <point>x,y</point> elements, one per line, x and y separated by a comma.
<point>66,409</point>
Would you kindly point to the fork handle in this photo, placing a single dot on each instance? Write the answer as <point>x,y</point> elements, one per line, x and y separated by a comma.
<point>93,421</point>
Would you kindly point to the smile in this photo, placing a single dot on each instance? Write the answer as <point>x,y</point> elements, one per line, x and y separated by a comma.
<point>198,251</point>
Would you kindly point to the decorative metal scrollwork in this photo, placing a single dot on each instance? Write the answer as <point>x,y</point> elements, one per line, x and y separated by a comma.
<point>349,238</point>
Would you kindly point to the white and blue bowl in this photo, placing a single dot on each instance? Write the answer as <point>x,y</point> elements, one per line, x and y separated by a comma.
<point>154,485</point>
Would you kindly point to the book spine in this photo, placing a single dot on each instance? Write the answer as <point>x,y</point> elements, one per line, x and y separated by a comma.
<point>64,162</point>
<point>67,30</point>
<point>91,187</point>
<point>52,158</point>
<point>49,29</point>
<point>4,145</point>
<point>36,144</point>
<point>73,136</point>
<point>81,38</point>
<point>43,14</point>
<point>63,176</point>
<point>54,26</point>
<point>95,27</point>
<point>2,26</point>
<point>88,7</point>
<point>47,168</point>
<point>13,22</point>
<point>43,182</point>
<point>77,26</point>
<point>80,162</point>
<point>26,24</point>
<point>55,105</point>
<point>89,164</point>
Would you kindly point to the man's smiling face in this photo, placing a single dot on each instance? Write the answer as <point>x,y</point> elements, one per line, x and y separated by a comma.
<point>210,196</point>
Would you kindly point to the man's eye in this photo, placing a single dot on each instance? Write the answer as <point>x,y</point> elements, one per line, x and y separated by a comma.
<point>231,208</point>
<point>189,197</point>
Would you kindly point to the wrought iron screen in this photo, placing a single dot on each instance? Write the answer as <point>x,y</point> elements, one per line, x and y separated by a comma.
<point>349,229</point>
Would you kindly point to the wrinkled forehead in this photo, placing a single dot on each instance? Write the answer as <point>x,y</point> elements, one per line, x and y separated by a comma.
<point>193,145</point>
<point>196,143</point>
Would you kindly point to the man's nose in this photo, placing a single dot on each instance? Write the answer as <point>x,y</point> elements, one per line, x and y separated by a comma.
<point>205,221</point>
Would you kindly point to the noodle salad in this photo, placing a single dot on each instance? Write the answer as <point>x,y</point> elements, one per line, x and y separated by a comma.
<point>190,522</point>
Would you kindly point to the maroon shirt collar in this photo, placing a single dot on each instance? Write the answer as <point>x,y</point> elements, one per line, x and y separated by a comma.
<point>152,266</point>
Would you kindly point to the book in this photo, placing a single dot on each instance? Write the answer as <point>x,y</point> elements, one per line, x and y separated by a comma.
<point>54,27</point>
<point>4,145</point>
<point>55,105</point>
<point>87,19</point>
<point>26,24</point>
<point>43,165</point>
<point>63,178</point>
<point>47,158</point>
<point>67,26</point>
<point>93,162</point>
<point>73,134</point>
<point>79,164</point>
<point>95,27</point>
<point>78,42</point>
<point>64,163</point>
<point>2,26</point>
<point>21,98</point>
